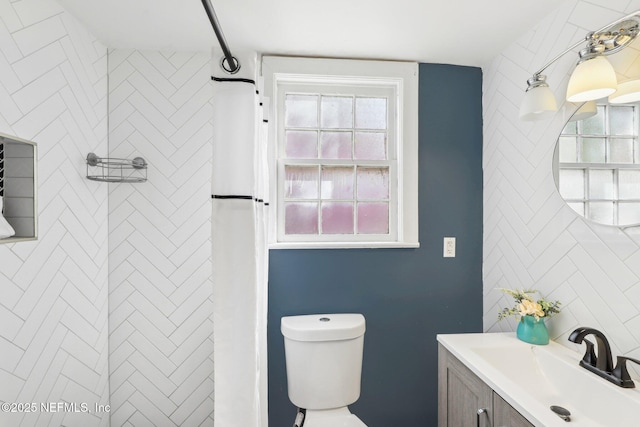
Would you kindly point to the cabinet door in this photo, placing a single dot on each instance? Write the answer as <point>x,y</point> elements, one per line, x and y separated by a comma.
<point>505,416</point>
<point>461,394</point>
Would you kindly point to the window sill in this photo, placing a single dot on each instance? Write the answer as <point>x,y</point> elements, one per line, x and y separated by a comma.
<point>344,245</point>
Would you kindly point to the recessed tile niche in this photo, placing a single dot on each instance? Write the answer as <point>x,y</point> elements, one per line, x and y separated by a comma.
<point>18,186</point>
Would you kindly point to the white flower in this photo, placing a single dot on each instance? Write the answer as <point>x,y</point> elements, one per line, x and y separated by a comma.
<point>531,308</point>
<point>527,306</point>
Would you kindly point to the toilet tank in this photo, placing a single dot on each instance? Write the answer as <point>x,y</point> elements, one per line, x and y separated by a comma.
<point>323,355</point>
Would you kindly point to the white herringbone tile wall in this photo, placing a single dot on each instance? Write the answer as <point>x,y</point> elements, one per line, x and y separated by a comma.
<point>531,238</point>
<point>53,309</point>
<point>160,306</point>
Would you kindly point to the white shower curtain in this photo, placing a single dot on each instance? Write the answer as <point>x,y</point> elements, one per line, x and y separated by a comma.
<point>240,255</point>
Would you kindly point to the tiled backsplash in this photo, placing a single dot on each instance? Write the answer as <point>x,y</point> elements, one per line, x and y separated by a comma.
<point>532,239</point>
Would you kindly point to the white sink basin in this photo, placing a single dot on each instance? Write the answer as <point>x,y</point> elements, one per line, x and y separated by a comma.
<point>532,378</point>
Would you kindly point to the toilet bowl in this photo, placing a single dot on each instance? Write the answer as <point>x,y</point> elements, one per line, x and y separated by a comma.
<point>340,417</point>
<point>323,354</point>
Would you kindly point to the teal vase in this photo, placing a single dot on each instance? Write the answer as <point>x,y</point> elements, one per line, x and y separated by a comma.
<point>532,330</point>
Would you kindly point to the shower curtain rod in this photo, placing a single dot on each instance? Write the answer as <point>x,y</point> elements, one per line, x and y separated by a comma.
<point>233,63</point>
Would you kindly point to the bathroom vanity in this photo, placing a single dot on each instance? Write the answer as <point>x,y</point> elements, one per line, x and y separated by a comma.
<point>466,400</point>
<point>495,380</point>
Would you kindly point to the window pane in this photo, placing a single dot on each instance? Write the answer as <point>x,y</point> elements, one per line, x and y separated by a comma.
<point>335,145</point>
<point>301,111</point>
<point>629,184</point>
<point>301,182</point>
<point>373,218</point>
<point>337,218</point>
<point>571,183</point>
<point>336,112</point>
<point>301,144</point>
<point>337,183</point>
<point>371,146</point>
<point>629,213</point>
<point>601,184</point>
<point>593,125</point>
<point>621,120</point>
<point>611,194</point>
<point>601,212</point>
<point>592,150</point>
<point>621,151</point>
<point>371,113</point>
<point>301,218</point>
<point>373,183</point>
<point>568,149</point>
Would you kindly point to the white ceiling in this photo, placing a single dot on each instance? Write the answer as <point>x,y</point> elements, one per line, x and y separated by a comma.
<point>463,32</point>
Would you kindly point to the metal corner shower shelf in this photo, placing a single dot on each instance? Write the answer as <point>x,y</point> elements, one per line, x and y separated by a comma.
<point>109,169</point>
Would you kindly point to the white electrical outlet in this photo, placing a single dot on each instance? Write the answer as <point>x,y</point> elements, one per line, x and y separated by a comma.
<point>449,249</point>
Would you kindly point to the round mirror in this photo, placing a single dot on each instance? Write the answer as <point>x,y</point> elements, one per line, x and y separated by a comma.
<point>597,164</point>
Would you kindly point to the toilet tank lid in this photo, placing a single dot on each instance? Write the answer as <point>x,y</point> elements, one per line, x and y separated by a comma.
<point>323,327</point>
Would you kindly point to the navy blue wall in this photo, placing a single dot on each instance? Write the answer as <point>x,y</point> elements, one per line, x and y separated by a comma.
<point>406,295</point>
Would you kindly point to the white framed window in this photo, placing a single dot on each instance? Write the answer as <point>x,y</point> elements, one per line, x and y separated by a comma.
<point>344,148</point>
<point>599,165</point>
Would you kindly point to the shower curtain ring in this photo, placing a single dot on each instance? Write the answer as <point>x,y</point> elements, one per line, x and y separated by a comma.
<point>224,64</point>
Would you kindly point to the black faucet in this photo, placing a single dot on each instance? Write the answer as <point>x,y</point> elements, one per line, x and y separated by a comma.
<point>620,372</point>
<point>602,364</point>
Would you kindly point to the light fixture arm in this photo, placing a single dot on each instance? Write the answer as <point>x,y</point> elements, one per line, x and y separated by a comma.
<point>635,16</point>
<point>593,77</point>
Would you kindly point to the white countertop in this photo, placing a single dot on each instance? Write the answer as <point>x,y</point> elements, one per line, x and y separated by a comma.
<point>531,378</point>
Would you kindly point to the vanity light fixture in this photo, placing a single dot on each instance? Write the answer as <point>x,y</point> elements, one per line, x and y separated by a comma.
<point>538,102</point>
<point>628,91</point>
<point>593,78</point>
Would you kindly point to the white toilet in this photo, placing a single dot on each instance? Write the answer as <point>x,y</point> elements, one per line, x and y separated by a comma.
<point>323,353</point>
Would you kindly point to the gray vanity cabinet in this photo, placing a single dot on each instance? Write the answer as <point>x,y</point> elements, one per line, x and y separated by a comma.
<point>464,400</point>
<point>505,416</point>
